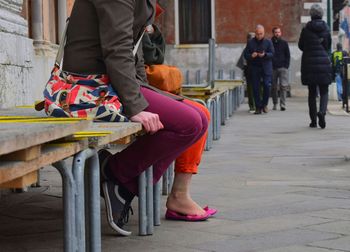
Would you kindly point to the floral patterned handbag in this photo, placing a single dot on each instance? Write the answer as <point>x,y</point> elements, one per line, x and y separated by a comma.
<point>83,96</point>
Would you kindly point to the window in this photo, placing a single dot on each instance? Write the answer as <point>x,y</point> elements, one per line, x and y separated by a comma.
<point>194,20</point>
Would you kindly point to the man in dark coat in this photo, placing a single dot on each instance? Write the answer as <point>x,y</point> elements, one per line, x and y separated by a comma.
<point>280,62</point>
<point>316,69</point>
<point>259,53</point>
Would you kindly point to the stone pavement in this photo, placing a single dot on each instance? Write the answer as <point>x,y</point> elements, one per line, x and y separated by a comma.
<point>279,185</point>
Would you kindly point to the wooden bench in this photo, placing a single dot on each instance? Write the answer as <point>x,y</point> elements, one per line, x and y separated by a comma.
<point>221,100</point>
<point>32,141</point>
<point>28,144</point>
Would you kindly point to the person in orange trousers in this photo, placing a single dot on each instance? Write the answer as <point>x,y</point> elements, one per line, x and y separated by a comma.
<point>179,200</point>
<point>180,205</point>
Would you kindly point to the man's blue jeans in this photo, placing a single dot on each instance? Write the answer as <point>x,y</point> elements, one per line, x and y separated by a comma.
<point>339,81</point>
<point>258,77</point>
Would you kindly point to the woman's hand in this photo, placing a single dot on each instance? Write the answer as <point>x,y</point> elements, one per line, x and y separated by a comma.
<point>149,121</point>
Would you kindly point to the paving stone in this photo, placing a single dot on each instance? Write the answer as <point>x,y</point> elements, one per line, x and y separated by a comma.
<point>258,243</point>
<point>335,213</point>
<point>339,227</point>
<point>342,244</point>
<point>300,249</point>
<point>259,226</point>
<point>184,238</point>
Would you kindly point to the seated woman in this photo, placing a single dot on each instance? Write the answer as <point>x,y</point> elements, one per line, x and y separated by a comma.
<point>100,39</point>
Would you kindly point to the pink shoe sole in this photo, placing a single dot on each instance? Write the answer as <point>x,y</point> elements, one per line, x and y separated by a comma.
<point>210,211</point>
<point>172,215</point>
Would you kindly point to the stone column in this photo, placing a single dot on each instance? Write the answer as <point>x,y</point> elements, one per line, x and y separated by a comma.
<point>37,20</point>
<point>62,16</point>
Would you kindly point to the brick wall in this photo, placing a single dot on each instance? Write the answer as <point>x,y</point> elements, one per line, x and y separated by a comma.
<point>234,18</point>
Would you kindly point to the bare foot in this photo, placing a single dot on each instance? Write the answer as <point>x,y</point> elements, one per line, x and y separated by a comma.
<point>182,203</point>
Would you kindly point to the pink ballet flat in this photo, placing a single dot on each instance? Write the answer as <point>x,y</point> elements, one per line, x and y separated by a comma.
<point>210,211</point>
<point>172,215</point>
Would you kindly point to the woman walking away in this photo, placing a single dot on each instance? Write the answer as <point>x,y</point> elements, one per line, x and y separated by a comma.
<point>316,69</point>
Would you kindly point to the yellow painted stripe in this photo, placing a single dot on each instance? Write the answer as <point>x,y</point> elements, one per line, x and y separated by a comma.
<point>26,106</point>
<point>35,121</point>
<point>42,118</point>
<point>15,119</point>
<point>93,132</point>
<point>61,144</point>
<point>92,135</point>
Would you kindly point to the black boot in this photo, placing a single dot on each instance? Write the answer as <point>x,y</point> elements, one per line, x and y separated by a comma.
<point>313,124</point>
<point>321,120</point>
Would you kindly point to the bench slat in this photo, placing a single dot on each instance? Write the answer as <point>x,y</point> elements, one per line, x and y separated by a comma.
<point>50,153</point>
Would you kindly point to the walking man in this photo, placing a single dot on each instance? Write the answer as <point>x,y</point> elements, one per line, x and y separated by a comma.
<point>337,63</point>
<point>259,53</point>
<point>280,62</point>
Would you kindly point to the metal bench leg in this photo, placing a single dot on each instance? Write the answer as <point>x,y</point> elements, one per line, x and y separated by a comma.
<point>208,143</point>
<point>146,221</point>
<point>231,102</point>
<point>168,178</point>
<point>78,174</point>
<point>227,105</point>
<point>142,204</point>
<point>156,203</point>
<point>94,210</point>
<point>70,241</point>
<point>149,200</point>
<point>217,120</point>
<point>165,181</point>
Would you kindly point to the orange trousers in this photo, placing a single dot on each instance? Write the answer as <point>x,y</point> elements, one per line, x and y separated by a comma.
<point>189,160</point>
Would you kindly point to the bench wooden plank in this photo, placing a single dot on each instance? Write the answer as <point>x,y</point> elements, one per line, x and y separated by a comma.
<point>105,133</point>
<point>50,153</point>
<point>22,182</point>
<point>23,155</point>
<point>19,136</point>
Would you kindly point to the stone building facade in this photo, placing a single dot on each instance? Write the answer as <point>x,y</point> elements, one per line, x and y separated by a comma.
<point>29,35</point>
<point>30,31</point>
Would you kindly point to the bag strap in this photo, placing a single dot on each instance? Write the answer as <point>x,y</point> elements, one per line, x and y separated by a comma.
<point>60,51</point>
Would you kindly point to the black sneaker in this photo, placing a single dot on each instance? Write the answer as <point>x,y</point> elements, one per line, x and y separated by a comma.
<point>283,109</point>
<point>321,120</point>
<point>118,209</point>
<point>118,206</point>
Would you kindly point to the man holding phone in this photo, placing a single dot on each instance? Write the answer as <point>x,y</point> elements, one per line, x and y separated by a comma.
<point>259,53</point>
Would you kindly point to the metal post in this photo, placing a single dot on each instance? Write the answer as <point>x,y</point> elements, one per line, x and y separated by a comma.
<point>171,176</point>
<point>94,210</point>
<point>346,78</point>
<point>70,240</point>
<point>156,203</point>
<point>149,200</point>
<point>37,20</point>
<point>198,76</point>
<point>142,204</point>
<point>330,14</point>
<point>165,179</point>
<point>78,173</point>
<point>211,61</point>
<point>232,74</point>
<point>187,77</point>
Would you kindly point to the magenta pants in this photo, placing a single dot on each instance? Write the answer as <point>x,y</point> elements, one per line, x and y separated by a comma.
<point>183,126</point>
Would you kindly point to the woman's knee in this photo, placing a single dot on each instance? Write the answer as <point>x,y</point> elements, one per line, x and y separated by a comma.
<point>194,124</point>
